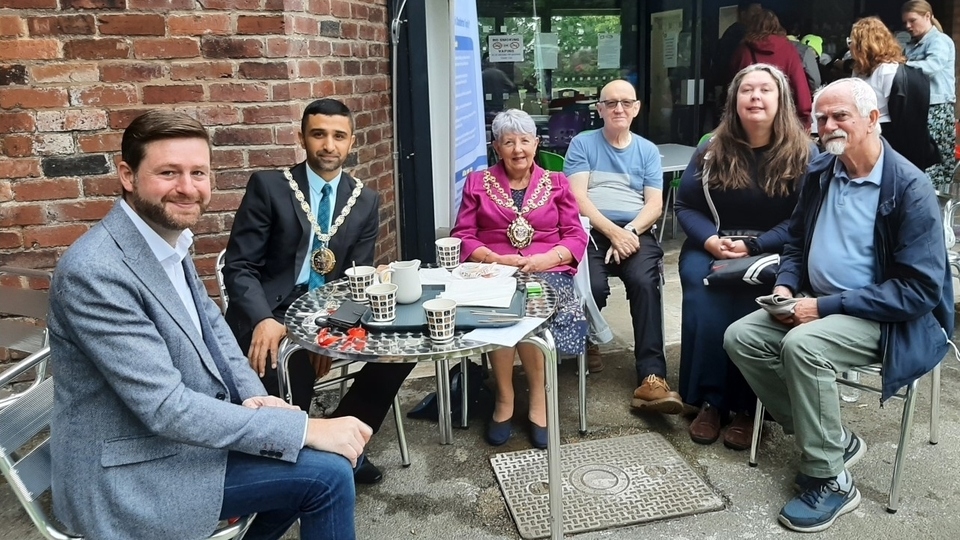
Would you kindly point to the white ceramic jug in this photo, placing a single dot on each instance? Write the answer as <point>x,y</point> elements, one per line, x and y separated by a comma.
<point>406,276</point>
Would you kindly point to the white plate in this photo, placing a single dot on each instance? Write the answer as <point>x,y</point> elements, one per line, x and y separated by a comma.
<point>488,271</point>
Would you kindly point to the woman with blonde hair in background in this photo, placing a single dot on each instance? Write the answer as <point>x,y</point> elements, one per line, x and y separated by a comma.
<point>934,52</point>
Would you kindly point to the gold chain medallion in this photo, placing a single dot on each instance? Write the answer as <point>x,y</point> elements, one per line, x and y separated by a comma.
<point>323,260</point>
<point>520,231</point>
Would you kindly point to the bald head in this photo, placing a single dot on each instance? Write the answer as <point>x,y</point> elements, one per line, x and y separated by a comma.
<point>620,87</point>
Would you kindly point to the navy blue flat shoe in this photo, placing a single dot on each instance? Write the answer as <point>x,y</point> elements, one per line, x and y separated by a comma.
<point>538,436</point>
<point>499,432</point>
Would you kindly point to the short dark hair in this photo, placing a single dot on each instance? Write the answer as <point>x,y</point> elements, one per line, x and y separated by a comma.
<point>157,125</point>
<point>326,107</point>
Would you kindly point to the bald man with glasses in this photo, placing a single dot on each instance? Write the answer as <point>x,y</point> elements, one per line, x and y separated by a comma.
<point>618,181</point>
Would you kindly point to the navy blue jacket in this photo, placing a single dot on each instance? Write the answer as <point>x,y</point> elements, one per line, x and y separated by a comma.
<point>913,299</point>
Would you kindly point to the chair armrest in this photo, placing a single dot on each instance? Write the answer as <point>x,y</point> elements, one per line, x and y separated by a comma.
<point>24,366</point>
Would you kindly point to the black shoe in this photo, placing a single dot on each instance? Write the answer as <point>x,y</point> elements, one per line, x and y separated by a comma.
<point>366,472</point>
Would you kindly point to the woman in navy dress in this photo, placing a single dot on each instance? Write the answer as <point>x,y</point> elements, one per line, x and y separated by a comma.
<point>753,163</point>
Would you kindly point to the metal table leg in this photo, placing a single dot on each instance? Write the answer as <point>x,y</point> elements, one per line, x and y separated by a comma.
<point>443,401</point>
<point>547,346</point>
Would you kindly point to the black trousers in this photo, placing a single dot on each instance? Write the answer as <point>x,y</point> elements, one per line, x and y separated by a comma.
<point>641,275</point>
<point>369,398</point>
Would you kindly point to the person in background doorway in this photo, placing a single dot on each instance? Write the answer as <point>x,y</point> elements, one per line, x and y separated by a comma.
<point>719,74</point>
<point>766,42</point>
<point>934,52</point>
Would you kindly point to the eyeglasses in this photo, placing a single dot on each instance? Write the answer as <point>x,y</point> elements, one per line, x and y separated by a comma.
<point>612,103</point>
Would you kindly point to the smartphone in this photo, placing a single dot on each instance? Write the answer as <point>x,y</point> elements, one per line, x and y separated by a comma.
<point>347,315</point>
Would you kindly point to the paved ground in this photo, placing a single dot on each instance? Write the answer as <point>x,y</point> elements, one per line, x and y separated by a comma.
<point>450,491</point>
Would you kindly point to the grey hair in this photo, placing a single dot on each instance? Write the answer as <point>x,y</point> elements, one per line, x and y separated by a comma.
<point>513,121</point>
<point>864,97</point>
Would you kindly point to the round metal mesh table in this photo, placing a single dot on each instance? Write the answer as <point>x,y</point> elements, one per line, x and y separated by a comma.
<point>386,346</point>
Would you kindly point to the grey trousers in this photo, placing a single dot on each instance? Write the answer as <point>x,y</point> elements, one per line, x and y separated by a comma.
<point>793,371</point>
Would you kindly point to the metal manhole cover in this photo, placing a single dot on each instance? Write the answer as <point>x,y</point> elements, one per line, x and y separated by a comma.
<point>606,483</point>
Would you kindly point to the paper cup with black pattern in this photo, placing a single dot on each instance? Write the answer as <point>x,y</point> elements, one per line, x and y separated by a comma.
<point>383,302</point>
<point>360,277</point>
<point>448,252</point>
<point>441,319</point>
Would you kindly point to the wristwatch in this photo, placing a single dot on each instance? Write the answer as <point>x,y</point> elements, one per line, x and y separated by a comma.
<point>629,227</point>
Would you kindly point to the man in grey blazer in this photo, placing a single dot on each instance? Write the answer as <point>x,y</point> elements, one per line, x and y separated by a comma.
<point>160,428</point>
<point>268,258</point>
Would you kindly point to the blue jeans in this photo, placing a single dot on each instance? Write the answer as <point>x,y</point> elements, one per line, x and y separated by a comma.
<point>318,490</point>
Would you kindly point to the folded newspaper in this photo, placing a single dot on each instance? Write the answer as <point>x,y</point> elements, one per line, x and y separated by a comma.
<point>777,305</point>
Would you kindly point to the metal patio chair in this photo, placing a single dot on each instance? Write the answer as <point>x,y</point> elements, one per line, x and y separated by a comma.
<point>25,454</point>
<point>23,313</point>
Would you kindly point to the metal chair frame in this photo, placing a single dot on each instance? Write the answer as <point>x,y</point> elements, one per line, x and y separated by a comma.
<point>908,396</point>
<point>27,465</point>
<point>23,314</point>
<point>224,298</point>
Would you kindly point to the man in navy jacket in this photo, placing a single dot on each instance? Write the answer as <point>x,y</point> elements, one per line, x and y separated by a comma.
<point>867,248</point>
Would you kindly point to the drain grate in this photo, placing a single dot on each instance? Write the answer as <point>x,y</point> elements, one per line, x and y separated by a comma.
<point>606,483</point>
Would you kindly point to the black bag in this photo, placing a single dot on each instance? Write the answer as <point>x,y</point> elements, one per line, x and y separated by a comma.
<point>756,270</point>
<point>480,398</point>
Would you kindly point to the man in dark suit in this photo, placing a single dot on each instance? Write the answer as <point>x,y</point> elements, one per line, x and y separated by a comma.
<point>269,262</point>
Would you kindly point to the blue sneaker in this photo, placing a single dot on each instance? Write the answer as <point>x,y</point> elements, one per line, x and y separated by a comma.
<point>856,448</point>
<point>819,506</point>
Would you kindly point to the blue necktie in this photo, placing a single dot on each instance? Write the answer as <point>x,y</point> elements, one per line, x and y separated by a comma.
<point>323,218</point>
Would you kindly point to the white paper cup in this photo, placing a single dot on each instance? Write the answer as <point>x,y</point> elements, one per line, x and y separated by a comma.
<point>441,319</point>
<point>360,278</point>
<point>448,252</point>
<point>383,302</point>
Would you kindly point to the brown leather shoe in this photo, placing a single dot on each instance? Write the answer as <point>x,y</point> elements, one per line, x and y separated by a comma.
<point>739,433</point>
<point>705,428</point>
<point>594,361</point>
<point>654,395</point>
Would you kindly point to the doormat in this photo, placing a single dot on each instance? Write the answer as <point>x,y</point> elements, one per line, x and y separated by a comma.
<point>606,483</point>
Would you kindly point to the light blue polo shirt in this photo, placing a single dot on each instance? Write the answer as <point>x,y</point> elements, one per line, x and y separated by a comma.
<point>617,175</point>
<point>842,253</point>
<point>316,184</point>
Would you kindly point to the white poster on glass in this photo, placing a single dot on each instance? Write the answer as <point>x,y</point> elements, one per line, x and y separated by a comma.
<point>546,51</point>
<point>508,48</point>
<point>608,51</point>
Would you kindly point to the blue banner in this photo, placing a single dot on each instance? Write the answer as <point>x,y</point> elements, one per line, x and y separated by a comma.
<point>470,144</point>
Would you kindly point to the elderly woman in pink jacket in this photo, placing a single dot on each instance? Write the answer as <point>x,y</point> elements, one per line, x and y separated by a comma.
<point>517,214</point>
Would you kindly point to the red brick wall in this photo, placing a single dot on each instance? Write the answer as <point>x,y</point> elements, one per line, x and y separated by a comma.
<point>73,73</point>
